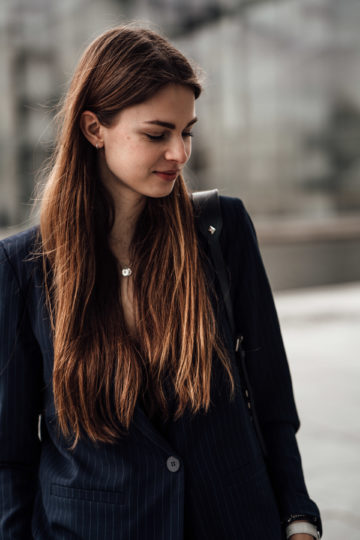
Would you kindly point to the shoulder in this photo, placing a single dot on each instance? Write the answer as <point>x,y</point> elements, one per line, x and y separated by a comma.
<point>237,224</point>
<point>237,229</point>
<point>20,244</point>
<point>233,207</point>
<point>20,252</point>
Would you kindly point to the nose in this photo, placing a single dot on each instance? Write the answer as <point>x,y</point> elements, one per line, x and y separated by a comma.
<point>178,150</point>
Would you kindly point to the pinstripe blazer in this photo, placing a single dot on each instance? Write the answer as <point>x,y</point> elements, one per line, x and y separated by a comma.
<point>201,477</point>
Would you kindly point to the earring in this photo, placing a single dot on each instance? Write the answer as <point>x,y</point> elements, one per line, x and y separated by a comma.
<point>97,146</point>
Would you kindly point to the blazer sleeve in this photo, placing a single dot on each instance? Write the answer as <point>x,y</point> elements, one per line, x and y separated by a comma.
<point>20,362</point>
<point>256,318</point>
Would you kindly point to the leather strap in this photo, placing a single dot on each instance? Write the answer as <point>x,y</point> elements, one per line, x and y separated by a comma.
<point>208,213</point>
<point>209,221</point>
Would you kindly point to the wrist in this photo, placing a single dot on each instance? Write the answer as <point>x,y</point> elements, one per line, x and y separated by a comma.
<point>301,529</point>
<point>301,536</point>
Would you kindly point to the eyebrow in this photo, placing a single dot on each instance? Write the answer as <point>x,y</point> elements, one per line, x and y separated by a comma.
<point>169,125</point>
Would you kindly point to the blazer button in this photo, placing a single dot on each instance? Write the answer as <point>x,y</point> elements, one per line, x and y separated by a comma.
<point>173,464</point>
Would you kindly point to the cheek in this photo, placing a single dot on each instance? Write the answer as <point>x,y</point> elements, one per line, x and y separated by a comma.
<point>120,152</point>
<point>130,158</point>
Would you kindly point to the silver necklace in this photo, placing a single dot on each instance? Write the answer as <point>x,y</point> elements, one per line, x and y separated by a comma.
<point>126,271</point>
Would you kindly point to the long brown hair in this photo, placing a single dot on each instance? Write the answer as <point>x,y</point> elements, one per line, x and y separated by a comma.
<point>99,371</point>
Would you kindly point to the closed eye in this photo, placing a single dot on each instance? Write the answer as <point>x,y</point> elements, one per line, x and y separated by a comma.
<point>163,135</point>
<point>155,137</point>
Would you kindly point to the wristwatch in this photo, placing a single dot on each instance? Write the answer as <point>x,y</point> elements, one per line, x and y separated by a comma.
<point>302,527</point>
<point>294,526</point>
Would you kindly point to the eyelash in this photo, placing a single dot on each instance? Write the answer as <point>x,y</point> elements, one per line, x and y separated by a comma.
<point>161,137</point>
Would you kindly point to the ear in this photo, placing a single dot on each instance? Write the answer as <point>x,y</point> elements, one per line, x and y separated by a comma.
<point>91,128</point>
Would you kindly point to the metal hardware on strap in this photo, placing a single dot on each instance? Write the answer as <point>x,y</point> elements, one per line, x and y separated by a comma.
<point>238,342</point>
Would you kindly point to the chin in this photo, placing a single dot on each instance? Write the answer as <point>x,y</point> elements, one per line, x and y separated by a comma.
<point>160,193</point>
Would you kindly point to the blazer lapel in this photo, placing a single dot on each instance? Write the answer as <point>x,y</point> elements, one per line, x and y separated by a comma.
<point>143,424</point>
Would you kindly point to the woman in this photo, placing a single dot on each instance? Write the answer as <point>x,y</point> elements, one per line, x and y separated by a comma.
<point>113,331</point>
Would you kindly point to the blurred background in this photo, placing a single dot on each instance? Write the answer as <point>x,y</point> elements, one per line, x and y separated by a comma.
<point>280,128</point>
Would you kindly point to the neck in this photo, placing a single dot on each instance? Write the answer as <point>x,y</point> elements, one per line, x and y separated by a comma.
<point>127,212</point>
<point>128,206</point>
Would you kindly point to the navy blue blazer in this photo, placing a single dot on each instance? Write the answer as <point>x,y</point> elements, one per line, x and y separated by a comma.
<point>201,477</point>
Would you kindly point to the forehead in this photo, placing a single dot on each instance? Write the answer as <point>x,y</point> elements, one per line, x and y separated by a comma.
<point>173,103</point>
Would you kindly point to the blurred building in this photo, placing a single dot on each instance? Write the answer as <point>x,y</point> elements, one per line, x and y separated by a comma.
<point>279,117</point>
<point>41,41</point>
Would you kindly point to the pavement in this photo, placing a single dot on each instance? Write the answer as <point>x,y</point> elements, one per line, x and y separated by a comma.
<point>321,331</point>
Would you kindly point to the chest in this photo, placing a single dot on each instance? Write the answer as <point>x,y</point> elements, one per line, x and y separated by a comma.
<point>127,302</point>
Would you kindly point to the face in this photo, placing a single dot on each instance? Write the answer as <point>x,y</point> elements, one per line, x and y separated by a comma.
<point>147,145</point>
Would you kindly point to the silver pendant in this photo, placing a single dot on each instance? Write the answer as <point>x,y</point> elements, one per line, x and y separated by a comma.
<point>126,272</point>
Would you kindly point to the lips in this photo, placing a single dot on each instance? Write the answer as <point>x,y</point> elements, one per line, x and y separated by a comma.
<point>168,175</point>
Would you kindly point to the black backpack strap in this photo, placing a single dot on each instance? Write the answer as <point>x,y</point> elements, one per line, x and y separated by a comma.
<point>209,221</point>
